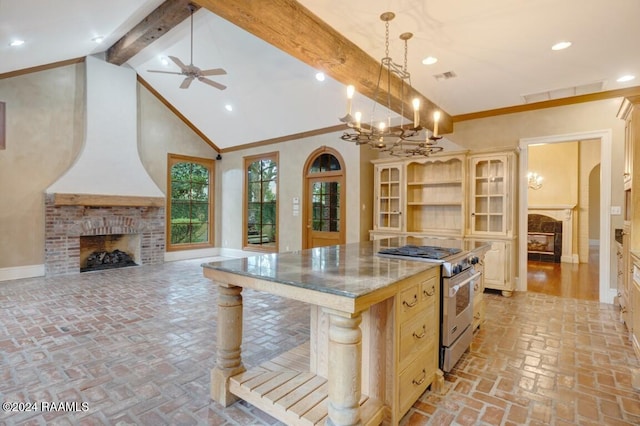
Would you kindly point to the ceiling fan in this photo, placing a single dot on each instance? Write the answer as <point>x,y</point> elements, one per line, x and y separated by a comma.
<point>191,72</point>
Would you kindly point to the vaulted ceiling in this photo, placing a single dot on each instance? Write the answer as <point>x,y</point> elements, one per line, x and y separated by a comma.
<point>498,52</point>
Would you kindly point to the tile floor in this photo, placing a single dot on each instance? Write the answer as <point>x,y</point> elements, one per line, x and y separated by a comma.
<point>137,344</point>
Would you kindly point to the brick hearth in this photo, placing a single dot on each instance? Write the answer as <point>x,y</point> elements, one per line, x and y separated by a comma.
<point>65,223</point>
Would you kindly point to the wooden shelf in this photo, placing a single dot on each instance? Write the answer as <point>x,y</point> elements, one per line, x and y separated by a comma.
<point>436,182</point>
<point>284,389</point>
<point>435,203</point>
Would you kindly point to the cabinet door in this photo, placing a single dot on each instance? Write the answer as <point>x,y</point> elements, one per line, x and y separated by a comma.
<point>635,304</point>
<point>388,202</point>
<point>495,266</point>
<point>489,195</point>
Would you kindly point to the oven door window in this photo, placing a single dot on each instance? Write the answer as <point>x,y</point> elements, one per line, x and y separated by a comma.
<point>463,297</point>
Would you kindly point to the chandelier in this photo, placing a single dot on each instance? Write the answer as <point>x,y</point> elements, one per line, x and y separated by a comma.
<point>535,180</point>
<point>401,140</point>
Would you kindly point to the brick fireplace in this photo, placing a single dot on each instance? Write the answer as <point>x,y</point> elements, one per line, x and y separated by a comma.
<point>71,216</point>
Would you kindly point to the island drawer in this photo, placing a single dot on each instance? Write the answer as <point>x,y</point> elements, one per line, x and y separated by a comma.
<point>418,295</point>
<point>416,334</point>
<point>415,379</point>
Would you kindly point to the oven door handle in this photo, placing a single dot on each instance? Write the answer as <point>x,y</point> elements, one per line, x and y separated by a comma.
<point>453,290</point>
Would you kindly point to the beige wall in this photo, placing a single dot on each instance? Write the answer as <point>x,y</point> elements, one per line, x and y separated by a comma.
<point>292,157</point>
<point>45,133</point>
<point>557,163</point>
<point>507,130</point>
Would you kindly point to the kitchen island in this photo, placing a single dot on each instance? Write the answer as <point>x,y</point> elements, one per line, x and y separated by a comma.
<point>374,332</point>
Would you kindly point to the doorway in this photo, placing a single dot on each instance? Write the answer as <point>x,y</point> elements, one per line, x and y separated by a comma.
<point>605,292</point>
<point>324,203</point>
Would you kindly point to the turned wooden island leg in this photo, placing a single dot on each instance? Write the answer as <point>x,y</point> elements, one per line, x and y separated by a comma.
<point>345,370</point>
<point>229,339</point>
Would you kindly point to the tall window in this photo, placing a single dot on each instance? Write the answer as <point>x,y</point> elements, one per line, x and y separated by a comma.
<point>190,205</point>
<point>261,202</point>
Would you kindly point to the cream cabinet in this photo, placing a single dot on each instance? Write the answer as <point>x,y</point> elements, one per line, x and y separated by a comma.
<point>425,196</point>
<point>389,201</point>
<point>627,289</point>
<point>492,192</point>
<point>492,197</point>
<point>478,298</point>
<point>624,280</point>
<point>436,195</point>
<point>635,304</point>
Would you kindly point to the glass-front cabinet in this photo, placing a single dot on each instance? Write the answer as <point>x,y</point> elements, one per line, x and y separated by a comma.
<point>389,197</point>
<point>489,197</point>
<point>492,197</point>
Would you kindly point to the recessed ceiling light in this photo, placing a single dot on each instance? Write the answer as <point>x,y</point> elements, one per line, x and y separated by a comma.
<point>625,78</point>
<point>430,60</point>
<point>228,107</point>
<point>98,39</point>
<point>164,61</point>
<point>16,42</point>
<point>320,76</point>
<point>561,45</point>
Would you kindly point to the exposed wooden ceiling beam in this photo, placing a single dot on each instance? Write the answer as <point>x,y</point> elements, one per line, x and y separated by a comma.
<point>292,28</point>
<point>158,23</point>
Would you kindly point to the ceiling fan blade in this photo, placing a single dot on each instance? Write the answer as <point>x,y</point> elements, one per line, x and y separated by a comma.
<point>178,62</point>
<point>165,72</point>
<point>212,83</point>
<point>186,83</point>
<point>215,71</point>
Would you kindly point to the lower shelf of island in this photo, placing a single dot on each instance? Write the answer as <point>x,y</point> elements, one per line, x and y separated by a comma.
<point>283,388</point>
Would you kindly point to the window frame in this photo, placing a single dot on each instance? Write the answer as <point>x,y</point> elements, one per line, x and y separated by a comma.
<point>248,160</point>
<point>209,164</point>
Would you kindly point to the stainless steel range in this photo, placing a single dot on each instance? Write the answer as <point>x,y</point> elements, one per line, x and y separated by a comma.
<point>459,276</point>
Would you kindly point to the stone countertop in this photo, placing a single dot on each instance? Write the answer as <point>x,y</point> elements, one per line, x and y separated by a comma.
<point>350,270</point>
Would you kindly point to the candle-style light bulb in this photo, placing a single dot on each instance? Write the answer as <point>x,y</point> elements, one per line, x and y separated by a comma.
<point>416,112</point>
<point>436,119</point>
<point>381,126</point>
<point>358,119</point>
<point>350,91</point>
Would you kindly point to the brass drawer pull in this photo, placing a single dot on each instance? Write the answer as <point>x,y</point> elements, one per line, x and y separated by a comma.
<point>424,332</point>
<point>412,304</point>
<point>422,379</point>
<point>430,293</point>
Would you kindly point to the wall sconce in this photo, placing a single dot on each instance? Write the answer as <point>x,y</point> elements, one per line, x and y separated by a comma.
<point>535,180</point>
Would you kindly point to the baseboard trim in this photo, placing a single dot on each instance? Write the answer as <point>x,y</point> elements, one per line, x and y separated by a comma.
<point>19,272</point>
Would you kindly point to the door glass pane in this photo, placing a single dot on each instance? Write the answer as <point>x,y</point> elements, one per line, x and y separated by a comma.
<point>326,206</point>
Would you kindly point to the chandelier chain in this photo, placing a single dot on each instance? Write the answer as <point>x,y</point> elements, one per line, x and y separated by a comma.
<point>386,39</point>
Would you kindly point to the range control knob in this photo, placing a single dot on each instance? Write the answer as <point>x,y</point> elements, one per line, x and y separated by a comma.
<point>456,268</point>
<point>473,260</point>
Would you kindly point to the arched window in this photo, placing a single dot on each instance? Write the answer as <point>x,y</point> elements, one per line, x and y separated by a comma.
<point>189,202</point>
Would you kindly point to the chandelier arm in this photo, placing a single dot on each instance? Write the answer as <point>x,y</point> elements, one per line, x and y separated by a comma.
<point>398,140</point>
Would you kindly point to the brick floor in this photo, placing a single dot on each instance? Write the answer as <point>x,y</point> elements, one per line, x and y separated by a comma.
<point>137,345</point>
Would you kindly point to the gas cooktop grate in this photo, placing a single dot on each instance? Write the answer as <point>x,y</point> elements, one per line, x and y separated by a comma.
<point>425,252</point>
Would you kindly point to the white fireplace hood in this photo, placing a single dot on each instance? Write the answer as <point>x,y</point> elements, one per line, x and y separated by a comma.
<point>109,163</point>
